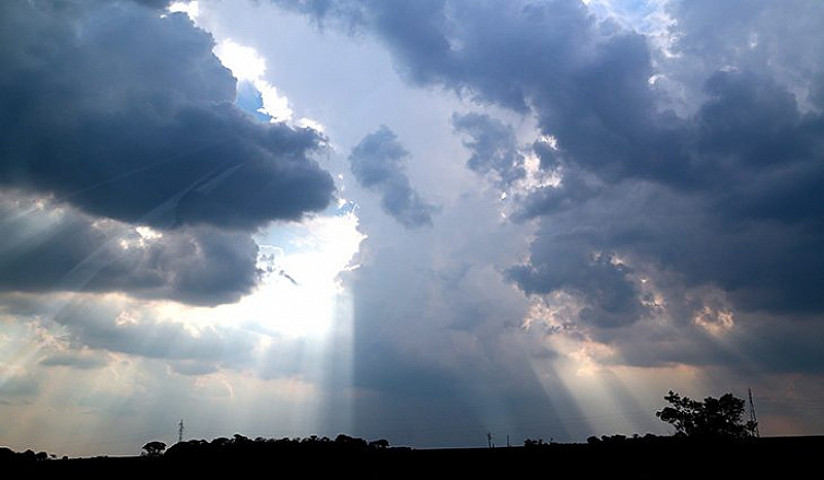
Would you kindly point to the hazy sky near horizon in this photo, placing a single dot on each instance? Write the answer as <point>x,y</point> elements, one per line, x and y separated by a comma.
<point>414,220</point>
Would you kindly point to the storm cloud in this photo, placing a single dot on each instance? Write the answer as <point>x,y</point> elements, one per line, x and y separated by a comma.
<point>378,164</point>
<point>692,170</point>
<point>115,119</point>
<point>127,114</point>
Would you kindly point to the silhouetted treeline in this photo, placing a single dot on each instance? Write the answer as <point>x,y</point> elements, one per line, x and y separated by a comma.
<point>607,457</point>
<point>240,446</point>
<point>9,456</point>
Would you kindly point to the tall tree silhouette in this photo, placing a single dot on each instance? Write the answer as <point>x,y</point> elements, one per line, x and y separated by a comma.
<point>713,418</point>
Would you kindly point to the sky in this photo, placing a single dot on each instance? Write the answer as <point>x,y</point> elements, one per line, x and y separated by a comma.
<point>425,221</point>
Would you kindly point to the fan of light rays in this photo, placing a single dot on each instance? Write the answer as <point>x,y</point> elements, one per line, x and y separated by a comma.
<point>613,394</point>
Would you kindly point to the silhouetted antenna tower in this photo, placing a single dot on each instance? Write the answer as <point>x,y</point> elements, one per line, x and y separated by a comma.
<point>180,431</point>
<point>753,419</point>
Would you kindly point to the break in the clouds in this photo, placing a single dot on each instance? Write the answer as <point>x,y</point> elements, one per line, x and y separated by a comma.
<point>378,163</point>
<point>127,114</point>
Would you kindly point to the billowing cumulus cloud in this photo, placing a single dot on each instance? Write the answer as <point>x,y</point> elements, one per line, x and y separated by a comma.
<point>378,163</point>
<point>675,178</point>
<point>127,166</point>
<point>127,114</point>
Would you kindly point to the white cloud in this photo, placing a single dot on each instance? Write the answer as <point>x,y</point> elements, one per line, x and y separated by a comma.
<point>190,8</point>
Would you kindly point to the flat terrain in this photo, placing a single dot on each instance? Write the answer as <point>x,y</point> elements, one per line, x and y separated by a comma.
<point>661,458</point>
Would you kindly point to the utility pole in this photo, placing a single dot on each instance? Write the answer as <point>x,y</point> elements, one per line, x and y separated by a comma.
<point>753,419</point>
<point>180,431</point>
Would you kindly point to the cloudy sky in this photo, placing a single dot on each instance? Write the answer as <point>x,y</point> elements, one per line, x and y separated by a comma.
<point>418,220</point>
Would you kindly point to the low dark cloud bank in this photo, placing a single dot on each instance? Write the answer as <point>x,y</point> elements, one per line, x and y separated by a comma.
<point>121,113</point>
<point>378,163</point>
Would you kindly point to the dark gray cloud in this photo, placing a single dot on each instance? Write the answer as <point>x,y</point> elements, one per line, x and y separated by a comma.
<point>637,229</point>
<point>128,115</point>
<point>493,145</point>
<point>723,192</point>
<point>797,351</point>
<point>758,343</point>
<point>783,39</point>
<point>378,163</point>
<point>587,83</point>
<point>568,263</point>
<point>154,3</point>
<point>52,248</point>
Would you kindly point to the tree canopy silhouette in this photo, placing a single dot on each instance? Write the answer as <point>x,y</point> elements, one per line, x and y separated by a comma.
<point>712,418</point>
<point>154,448</point>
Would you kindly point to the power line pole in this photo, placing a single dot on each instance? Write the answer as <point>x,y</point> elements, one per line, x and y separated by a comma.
<point>180,431</point>
<point>753,419</point>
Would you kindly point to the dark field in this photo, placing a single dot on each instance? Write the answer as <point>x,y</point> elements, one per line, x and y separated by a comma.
<point>658,457</point>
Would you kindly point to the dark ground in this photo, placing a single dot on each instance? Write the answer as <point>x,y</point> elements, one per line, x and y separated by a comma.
<point>642,458</point>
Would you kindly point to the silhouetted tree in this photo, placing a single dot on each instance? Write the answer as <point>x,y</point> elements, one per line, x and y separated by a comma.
<point>154,448</point>
<point>350,442</point>
<point>379,444</point>
<point>221,441</point>
<point>534,443</point>
<point>617,438</point>
<point>712,418</point>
